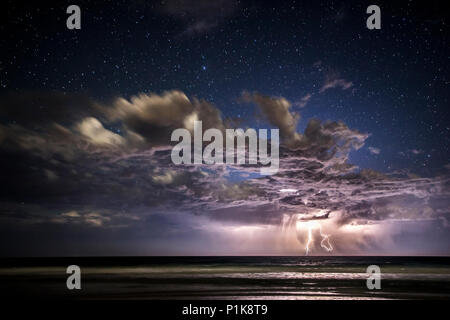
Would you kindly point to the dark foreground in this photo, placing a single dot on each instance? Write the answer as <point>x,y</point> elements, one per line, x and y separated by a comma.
<point>261,278</point>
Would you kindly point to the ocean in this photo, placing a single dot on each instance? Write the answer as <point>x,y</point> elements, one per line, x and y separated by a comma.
<point>230,278</point>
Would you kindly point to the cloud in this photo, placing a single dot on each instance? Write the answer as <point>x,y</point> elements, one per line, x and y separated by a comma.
<point>409,152</point>
<point>374,150</point>
<point>331,83</point>
<point>72,214</point>
<point>166,178</point>
<point>52,176</point>
<point>324,141</point>
<point>154,117</point>
<point>93,219</point>
<point>303,101</point>
<point>94,131</point>
<point>276,111</point>
<point>330,140</point>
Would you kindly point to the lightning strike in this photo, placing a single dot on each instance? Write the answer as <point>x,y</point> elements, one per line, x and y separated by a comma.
<point>324,243</point>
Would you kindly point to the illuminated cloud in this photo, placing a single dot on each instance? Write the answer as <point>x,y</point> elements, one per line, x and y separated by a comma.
<point>94,131</point>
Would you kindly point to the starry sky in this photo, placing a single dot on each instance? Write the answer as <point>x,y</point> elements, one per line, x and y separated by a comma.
<point>81,165</point>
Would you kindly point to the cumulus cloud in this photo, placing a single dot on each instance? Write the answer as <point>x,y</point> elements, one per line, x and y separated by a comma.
<point>324,141</point>
<point>154,116</point>
<point>277,112</point>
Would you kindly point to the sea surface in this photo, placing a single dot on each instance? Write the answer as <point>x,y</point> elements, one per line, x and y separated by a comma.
<point>285,278</point>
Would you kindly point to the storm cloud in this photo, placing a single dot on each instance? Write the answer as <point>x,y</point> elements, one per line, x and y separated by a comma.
<point>107,167</point>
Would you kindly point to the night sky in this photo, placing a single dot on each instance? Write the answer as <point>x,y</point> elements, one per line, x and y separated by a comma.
<point>113,193</point>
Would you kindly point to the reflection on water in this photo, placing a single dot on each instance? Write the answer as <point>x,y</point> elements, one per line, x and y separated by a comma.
<point>284,278</point>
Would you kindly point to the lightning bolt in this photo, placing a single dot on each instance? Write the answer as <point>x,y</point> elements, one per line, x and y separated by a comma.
<point>309,239</point>
<point>324,243</point>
